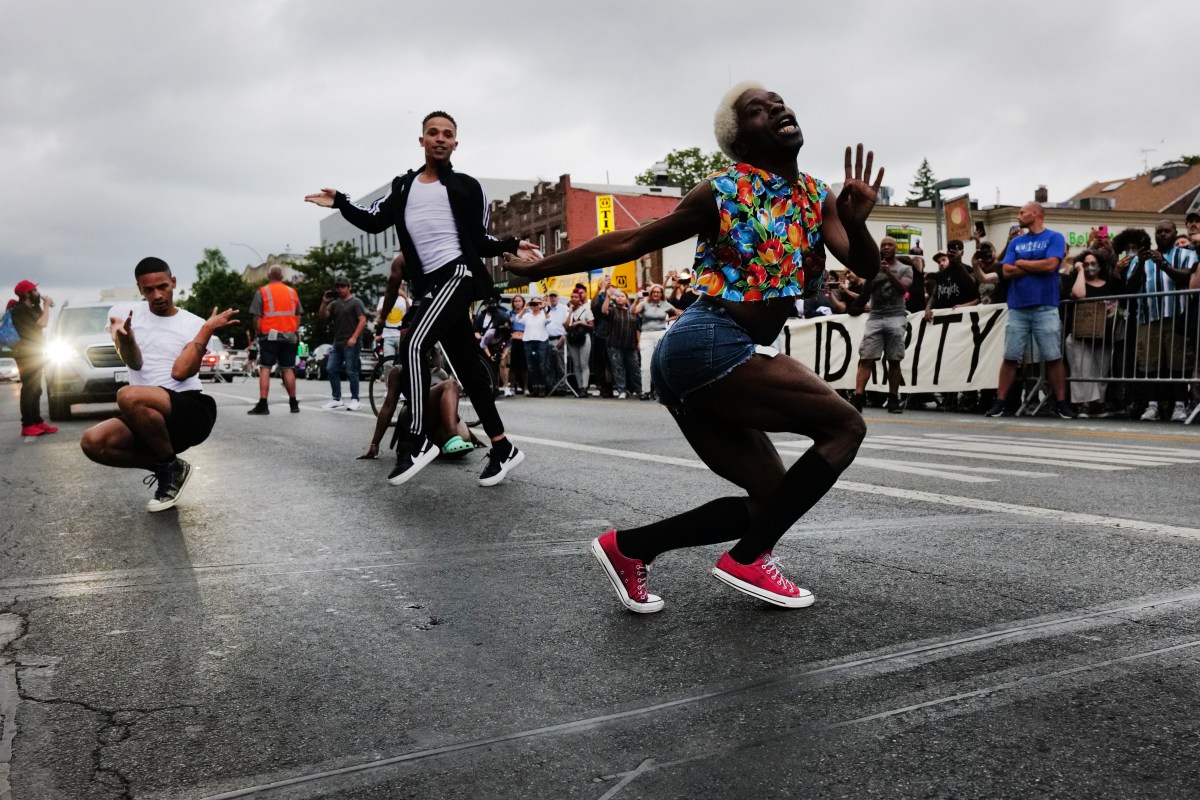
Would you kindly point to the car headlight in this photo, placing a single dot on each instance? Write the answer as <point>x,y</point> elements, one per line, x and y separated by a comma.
<point>59,351</point>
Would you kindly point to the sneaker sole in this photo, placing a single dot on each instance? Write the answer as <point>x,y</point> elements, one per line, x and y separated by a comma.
<point>153,508</point>
<point>504,470</point>
<point>803,601</point>
<point>418,465</point>
<point>606,565</point>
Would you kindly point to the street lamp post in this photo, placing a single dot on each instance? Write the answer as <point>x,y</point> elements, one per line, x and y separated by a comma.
<point>949,183</point>
<point>261,260</point>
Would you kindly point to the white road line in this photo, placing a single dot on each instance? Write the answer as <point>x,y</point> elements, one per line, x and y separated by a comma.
<point>975,503</point>
<point>367,414</point>
<point>927,470</point>
<point>1184,455</point>
<point>800,447</point>
<point>870,444</point>
<point>1035,451</point>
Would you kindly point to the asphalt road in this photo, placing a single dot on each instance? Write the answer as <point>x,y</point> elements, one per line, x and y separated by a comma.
<point>1005,608</point>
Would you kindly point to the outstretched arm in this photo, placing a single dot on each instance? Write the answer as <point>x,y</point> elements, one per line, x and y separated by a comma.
<point>845,220</point>
<point>695,215</point>
<point>375,219</point>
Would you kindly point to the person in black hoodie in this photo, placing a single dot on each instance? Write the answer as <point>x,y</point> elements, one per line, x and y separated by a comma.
<point>441,223</point>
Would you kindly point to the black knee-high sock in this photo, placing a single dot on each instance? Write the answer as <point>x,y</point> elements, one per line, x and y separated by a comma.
<point>804,484</point>
<point>720,520</point>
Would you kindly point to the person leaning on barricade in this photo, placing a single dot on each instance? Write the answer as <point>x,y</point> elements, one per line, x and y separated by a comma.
<point>1163,314</point>
<point>1087,323</point>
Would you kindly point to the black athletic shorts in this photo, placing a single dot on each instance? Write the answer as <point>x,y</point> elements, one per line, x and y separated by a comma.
<point>280,351</point>
<point>191,420</point>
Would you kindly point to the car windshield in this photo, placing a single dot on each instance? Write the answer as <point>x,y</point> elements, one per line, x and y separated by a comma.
<point>8,362</point>
<point>74,322</point>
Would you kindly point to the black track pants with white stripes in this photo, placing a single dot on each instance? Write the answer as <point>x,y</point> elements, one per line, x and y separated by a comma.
<point>444,316</point>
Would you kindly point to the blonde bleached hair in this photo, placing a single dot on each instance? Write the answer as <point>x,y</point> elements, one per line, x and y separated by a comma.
<point>725,121</point>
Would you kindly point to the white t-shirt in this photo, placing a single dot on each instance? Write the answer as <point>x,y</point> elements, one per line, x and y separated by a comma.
<point>161,340</point>
<point>391,325</point>
<point>557,315</point>
<point>430,224</point>
<point>535,326</point>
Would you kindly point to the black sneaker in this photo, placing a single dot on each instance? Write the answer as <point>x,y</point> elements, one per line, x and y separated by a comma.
<point>169,482</point>
<point>856,400</point>
<point>412,456</point>
<point>499,465</point>
<point>261,408</point>
<point>995,410</point>
<point>1064,410</point>
<point>294,405</point>
<point>894,406</point>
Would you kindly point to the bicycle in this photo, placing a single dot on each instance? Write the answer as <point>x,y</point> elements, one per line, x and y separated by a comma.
<point>377,385</point>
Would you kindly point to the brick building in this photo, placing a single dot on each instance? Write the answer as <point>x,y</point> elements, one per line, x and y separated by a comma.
<point>559,215</point>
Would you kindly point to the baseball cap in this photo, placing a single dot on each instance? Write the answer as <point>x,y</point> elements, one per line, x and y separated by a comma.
<point>24,287</point>
<point>341,280</point>
<point>1192,217</point>
<point>551,293</point>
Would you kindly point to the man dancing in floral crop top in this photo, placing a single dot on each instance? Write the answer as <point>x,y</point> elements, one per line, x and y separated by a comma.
<point>715,370</point>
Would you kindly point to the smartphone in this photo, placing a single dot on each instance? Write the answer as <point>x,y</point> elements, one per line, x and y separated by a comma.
<point>1013,229</point>
<point>980,230</point>
<point>1102,230</point>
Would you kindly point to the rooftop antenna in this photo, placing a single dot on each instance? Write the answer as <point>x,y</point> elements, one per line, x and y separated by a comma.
<point>1145,151</point>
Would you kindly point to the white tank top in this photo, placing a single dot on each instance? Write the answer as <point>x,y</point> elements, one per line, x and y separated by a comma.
<point>430,224</point>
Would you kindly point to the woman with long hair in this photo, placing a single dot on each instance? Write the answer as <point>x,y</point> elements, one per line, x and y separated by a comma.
<point>513,360</point>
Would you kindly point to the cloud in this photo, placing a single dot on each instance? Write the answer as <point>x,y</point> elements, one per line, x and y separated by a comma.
<point>130,128</point>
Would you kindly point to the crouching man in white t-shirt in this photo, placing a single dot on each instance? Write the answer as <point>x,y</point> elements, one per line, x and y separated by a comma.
<point>163,411</point>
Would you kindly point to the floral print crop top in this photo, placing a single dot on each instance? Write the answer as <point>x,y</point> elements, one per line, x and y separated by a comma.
<point>767,225</point>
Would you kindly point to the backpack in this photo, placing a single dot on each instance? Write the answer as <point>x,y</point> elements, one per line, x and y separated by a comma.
<point>8,332</point>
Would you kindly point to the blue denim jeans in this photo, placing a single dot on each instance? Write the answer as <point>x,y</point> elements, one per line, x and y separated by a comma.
<point>627,372</point>
<point>1037,324</point>
<point>703,346</point>
<point>343,358</point>
<point>535,360</point>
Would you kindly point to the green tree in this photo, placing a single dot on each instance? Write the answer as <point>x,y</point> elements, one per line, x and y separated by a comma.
<point>1191,161</point>
<point>217,286</point>
<point>319,267</point>
<point>686,168</point>
<point>922,185</point>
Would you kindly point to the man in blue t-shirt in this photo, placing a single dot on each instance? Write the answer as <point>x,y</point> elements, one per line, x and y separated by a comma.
<point>1031,264</point>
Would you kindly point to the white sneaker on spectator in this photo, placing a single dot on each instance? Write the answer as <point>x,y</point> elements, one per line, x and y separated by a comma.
<point>508,392</point>
<point>353,405</point>
<point>1179,414</point>
<point>1150,414</point>
<point>622,396</point>
<point>334,404</point>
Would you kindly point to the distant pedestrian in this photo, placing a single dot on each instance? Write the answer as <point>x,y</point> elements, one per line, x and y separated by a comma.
<point>885,328</point>
<point>163,409</point>
<point>276,312</point>
<point>30,316</point>
<point>1031,261</point>
<point>392,308</point>
<point>347,316</point>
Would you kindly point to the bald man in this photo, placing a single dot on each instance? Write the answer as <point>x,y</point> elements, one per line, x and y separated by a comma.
<point>1031,264</point>
<point>884,334</point>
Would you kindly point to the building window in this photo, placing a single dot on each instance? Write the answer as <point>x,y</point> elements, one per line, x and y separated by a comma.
<point>542,242</point>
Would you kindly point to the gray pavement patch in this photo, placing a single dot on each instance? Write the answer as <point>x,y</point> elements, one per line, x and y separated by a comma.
<point>861,665</point>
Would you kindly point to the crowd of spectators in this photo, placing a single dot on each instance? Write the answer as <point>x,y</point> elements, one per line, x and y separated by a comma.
<point>1126,325</point>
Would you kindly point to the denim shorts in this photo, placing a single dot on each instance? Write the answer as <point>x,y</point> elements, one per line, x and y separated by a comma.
<point>702,346</point>
<point>1037,324</point>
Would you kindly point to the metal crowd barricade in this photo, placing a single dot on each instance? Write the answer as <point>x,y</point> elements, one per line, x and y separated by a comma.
<point>1103,342</point>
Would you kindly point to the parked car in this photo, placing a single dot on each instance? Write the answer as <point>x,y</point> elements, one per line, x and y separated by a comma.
<point>217,362</point>
<point>314,366</point>
<point>8,370</point>
<point>82,365</point>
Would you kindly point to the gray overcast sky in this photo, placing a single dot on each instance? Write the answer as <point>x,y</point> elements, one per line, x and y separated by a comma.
<point>141,127</point>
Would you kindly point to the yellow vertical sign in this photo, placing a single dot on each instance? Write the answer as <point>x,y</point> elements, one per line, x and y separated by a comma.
<point>624,276</point>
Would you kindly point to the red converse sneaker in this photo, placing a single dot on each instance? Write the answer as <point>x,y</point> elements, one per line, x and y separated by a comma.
<point>763,580</point>
<point>32,430</point>
<point>47,428</point>
<point>628,576</point>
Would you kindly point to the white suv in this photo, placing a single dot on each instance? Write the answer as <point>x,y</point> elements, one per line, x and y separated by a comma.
<point>82,365</point>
